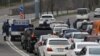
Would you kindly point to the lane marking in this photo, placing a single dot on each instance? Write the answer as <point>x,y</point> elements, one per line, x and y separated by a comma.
<point>15,48</point>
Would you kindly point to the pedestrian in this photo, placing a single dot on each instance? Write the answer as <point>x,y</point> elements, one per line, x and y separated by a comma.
<point>68,23</point>
<point>5,29</point>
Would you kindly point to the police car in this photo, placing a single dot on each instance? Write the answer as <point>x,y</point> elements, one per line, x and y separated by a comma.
<point>18,26</point>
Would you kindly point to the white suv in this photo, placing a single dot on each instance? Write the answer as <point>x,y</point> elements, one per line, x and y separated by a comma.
<point>97,12</point>
<point>82,13</point>
<point>49,17</point>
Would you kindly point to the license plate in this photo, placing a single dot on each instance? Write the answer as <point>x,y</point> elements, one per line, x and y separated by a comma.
<point>60,49</point>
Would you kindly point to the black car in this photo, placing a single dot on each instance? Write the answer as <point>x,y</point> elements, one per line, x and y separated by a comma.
<point>28,39</point>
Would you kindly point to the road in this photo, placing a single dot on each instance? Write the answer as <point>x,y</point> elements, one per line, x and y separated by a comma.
<point>14,48</point>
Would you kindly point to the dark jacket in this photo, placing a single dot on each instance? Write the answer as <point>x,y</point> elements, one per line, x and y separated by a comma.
<point>6,27</point>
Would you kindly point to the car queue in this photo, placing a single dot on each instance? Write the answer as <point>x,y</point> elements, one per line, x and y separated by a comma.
<point>52,38</point>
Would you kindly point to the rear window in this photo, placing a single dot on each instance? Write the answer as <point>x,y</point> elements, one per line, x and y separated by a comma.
<point>80,46</point>
<point>46,16</point>
<point>58,42</point>
<point>82,11</point>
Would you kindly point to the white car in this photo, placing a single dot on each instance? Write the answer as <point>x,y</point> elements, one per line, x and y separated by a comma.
<point>49,17</point>
<point>41,41</point>
<point>68,30</point>
<point>59,27</point>
<point>97,12</point>
<point>90,51</point>
<point>82,13</point>
<point>55,23</point>
<point>76,36</point>
<point>79,45</point>
<point>54,47</point>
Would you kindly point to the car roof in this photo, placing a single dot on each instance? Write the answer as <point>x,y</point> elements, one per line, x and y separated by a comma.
<point>79,32</point>
<point>57,39</point>
<point>49,36</point>
<point>47,14</point>
<point>60,25</point>
<point>82,8</point>
<point>86,43</point>
<point>92,46</point>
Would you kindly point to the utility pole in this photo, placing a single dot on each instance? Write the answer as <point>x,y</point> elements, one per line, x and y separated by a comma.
<point>37,8</point>
<point>9,8</point>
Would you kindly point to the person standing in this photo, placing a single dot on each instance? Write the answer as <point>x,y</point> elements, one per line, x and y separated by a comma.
<point>68,22</point>
<point>5,29</point>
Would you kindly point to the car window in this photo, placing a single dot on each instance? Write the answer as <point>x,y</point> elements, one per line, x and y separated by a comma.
<point>46,16</point>
<point>95,51</point>
<point>68,36</point>
<point>80,46</point>
<point>83,11</point>
<point>71,30</point>
<point>59,42</point>
<point>80,36</point>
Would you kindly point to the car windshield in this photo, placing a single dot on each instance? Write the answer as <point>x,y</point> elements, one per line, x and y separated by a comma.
<point>94,51</point>
<point>70,30</point>
<point>83,11</point>
<point>80,46</point>
<point>80,36</point>
<point>21,22</point>
<point>57,29</point>
<point>46,16</point>
<point>61,25</point>
<point>58,42</point>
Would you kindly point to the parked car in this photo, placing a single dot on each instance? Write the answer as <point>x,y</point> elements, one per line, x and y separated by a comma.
<point>77,46</point>
<point>90,51</point>
<point>41,41</point>
<point>82,13</point>
<point>76,36</point>
<point>97,12</point>
<point>49,17</point>
<point>54,47</point>
<point>28,40</point>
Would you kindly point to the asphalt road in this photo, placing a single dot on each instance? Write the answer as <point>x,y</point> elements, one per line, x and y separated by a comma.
<point>14,48</point>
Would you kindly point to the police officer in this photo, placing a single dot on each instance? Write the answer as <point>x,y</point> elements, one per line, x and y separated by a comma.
<point>68,22</point>
<point>45,23</point>
<point>5,29</point>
